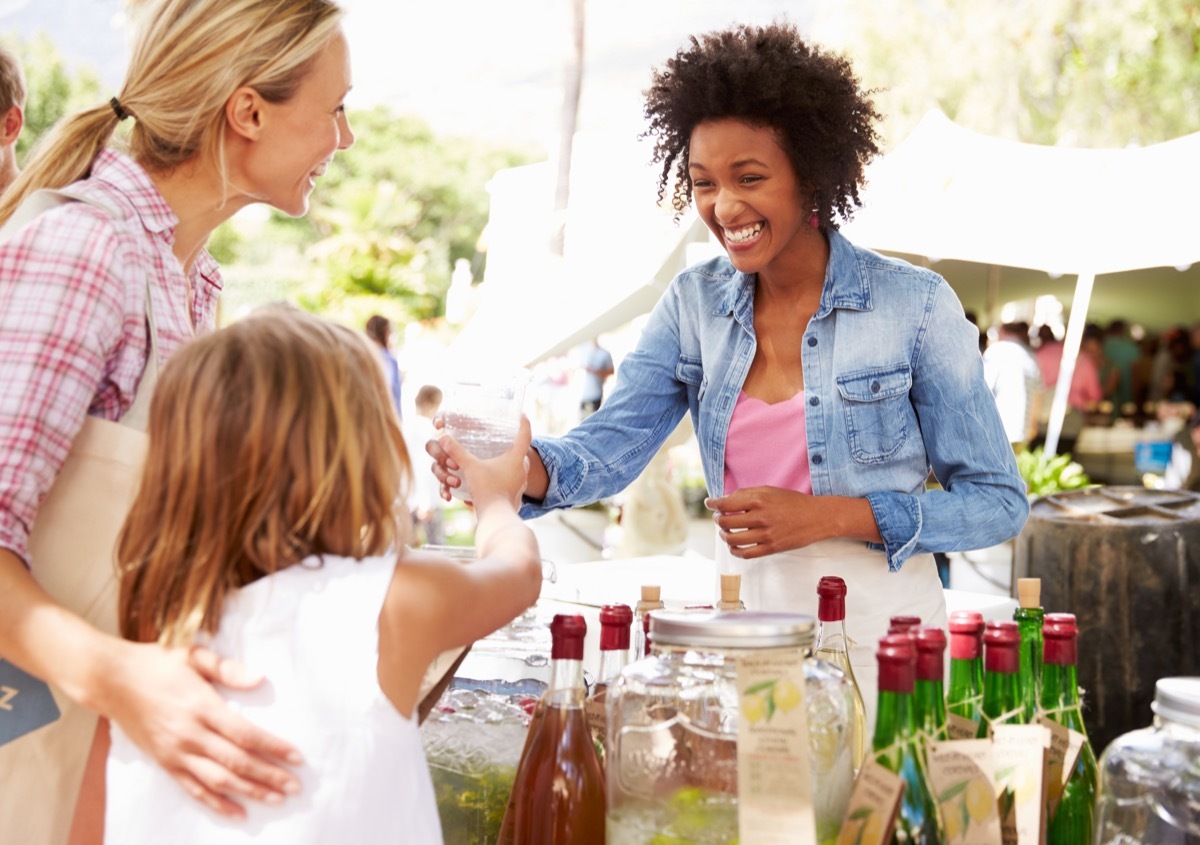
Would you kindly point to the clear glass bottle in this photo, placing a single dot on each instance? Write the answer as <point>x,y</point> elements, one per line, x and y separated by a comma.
<point>929,697</point>
<point>651,600</point>
<point>615,622</point>
<point>833,646</point>
<point>559,786</point>
<point>1150,778</point>
<point>964,699</point>
<point>1029,616</point>
<point>1072,819</point>
<point>1001,666</point>
<point>896,746</point>
<point>673,728</point>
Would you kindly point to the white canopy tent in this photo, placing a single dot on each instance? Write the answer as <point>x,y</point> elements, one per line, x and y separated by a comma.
<point>949,193</point>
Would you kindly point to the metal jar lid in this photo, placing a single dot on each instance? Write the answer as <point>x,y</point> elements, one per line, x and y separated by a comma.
<point>744,629</point>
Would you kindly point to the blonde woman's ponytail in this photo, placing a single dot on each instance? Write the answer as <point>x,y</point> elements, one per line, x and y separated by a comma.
<point>63,156</point>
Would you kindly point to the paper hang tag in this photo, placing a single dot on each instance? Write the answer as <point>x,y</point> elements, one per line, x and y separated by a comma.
<point>774,778</point>
<point>26,703</point>
<point>1020,754</point>
<point>960,727</point>
<point>873,808</point>
<point>1065,745</point>
<point>961,774</point>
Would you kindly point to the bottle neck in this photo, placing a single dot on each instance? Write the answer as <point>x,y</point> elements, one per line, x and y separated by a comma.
<point>612,661</point>
<point>1002,697</point>
<point>566,683</point>
<point>894,720</point>
<point>831,637</point>
<point>929,704</point>
<point>1060,695</point>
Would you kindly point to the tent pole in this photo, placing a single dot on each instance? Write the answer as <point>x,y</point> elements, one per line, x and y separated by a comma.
<point>1066,370</point>
<point>992,296</point>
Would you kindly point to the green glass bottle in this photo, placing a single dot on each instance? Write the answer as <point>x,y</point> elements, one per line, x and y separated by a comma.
<point>1073,819</point>
<point>964,699</point>
<point>895,743</point>
<point>929,691</point>
<point>1001,665</point>
<point>1028,616</point>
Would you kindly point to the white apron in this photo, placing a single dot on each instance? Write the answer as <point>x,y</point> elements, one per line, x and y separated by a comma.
<point>72,556</point>
<point>787,582</point>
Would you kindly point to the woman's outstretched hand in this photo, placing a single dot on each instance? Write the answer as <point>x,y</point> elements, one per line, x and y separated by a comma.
<point>165,702</point>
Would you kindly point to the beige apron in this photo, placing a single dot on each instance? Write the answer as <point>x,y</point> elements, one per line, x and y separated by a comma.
<point>787,582</point>
<point>72,552</point>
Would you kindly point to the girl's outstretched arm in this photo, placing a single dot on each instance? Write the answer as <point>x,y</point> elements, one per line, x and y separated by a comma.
<point>435,604</point>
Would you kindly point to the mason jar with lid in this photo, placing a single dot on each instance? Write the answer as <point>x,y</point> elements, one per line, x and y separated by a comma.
<point>673,717</point>
<point>1150,778</point>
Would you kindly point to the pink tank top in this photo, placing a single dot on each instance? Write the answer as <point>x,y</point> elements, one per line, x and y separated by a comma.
<point>767,445</point>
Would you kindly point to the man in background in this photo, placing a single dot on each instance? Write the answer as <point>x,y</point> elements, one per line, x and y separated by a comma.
<point>12,115</point>
<point>597,367</point>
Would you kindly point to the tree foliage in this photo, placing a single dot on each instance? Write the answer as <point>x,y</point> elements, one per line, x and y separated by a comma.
<point>52,89</point>
<point>388,220</point>
<point>1088,73</point>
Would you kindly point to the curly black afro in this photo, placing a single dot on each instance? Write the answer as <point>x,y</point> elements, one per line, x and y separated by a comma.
<point>767,76</point>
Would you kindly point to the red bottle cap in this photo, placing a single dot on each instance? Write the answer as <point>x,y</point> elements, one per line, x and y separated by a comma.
<point>615,620</point>
<point>831,599</point>
<point>1060,633</point>
<point>567,632</point>
<point>903,624</point>
<point>931,650</point>
<point>966,635</point>
<point>897,663</point>
<point>1002,641</point>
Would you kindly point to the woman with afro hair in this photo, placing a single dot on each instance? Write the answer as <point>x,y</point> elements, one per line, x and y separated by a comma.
<point>824,381</point>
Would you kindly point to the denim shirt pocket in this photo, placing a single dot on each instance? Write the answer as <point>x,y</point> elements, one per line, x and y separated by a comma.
<point>690,371</point>
<point>878,412</point>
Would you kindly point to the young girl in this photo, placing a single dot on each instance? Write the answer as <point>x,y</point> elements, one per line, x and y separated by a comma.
<point>266,526</point>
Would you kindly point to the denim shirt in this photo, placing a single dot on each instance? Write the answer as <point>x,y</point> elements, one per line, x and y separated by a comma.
<point>893,386</point>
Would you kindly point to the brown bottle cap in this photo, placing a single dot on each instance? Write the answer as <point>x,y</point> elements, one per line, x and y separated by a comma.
<point>1029,592</point>
<point>651,592</point>
<point>731,587</point>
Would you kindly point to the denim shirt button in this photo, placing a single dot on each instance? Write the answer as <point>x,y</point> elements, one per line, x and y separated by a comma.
<point>812,341</point>
<point>874,387</point>
<point>817,459</point>
<point>814,401</point>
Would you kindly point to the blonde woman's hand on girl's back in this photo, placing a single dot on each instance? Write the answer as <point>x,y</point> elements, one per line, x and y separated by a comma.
<point>165,701</point>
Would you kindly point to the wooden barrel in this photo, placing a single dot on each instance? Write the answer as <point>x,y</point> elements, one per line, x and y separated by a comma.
<point>1126,562</point>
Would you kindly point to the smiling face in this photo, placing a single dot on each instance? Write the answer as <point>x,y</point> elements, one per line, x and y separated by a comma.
<point>747,193</point>
<point>300,136</point>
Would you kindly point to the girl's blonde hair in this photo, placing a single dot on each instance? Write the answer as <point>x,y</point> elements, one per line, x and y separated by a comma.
<point>188,58</point>
<point>271,441</point>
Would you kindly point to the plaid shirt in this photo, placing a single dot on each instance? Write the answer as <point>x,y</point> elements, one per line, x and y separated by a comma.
<point>73,332</point>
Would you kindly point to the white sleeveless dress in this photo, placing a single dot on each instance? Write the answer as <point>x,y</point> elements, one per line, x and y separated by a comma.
<point>312,630</point>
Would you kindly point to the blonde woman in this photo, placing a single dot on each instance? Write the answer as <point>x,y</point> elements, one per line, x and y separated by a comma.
<point>225,103</point>
<point>266,523</point>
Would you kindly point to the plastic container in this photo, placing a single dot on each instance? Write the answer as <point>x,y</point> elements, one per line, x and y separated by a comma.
<point>1150,778</point>
<point>673,727</point>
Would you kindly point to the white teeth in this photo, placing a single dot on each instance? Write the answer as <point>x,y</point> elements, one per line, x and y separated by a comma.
<point>743,234</point>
